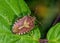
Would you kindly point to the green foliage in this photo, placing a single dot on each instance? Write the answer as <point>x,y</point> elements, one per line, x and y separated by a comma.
<point>8,37</point>
<point>9,9</point>
<point>53,35</point>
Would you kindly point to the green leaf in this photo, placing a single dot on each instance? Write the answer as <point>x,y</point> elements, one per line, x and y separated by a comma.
<point>9,9</point>
<point>53,35</point>
<point>8,37</point>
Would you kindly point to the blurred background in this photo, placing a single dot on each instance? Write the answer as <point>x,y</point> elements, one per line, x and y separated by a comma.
<point>47,12</point>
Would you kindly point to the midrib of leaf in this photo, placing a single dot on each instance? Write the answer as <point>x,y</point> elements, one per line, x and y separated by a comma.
<point>5,17</point>
<point>11,7</point>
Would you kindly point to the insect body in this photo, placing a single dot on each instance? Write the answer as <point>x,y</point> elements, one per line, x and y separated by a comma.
<point>23,25</point>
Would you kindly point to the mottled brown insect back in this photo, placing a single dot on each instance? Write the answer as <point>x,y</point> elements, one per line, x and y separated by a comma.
<point>23,25</point>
